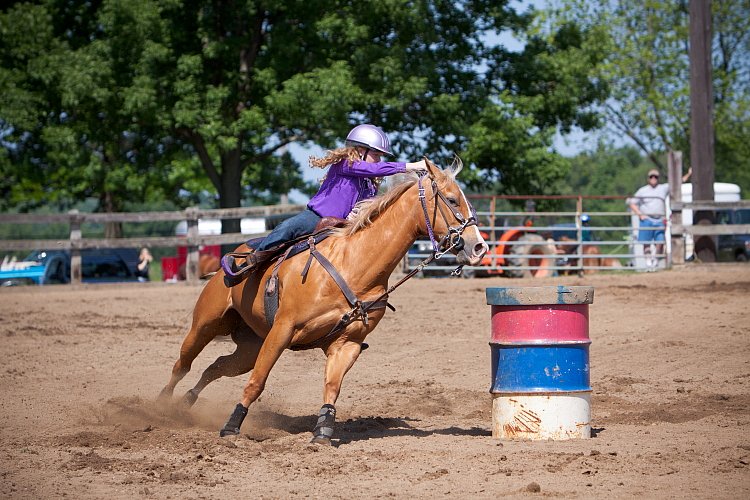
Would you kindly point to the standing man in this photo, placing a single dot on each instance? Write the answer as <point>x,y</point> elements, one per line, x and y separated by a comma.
<point>649,204</point>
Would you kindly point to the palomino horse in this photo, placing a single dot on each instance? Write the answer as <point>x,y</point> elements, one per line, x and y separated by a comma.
<point>311,307</point>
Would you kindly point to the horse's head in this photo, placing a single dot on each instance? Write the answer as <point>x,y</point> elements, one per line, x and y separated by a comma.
<point>450,220</point>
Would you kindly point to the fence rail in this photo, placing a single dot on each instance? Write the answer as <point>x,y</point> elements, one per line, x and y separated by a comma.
<point>569,254</point>
<point>613,241</point>
<point>193,241</point>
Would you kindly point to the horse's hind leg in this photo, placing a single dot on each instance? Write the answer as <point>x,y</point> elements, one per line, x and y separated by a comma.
<point>191,347</point>
<point>240,361</point>
<point>210,318</point>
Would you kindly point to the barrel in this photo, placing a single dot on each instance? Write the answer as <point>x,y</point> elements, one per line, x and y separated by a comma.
<point>540,362</point>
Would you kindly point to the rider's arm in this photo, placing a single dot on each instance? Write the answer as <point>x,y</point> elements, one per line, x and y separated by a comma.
<point>359,168</point>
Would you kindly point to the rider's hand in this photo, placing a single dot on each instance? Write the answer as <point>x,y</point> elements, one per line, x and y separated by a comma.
<point>416,166</point>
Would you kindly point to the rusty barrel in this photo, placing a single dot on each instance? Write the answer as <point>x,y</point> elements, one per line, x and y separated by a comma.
<point>540,362</point>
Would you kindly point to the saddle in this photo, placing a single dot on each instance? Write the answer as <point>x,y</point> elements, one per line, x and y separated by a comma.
<point>235,274</point>
<point>359,307</point>
<point>238,266</point>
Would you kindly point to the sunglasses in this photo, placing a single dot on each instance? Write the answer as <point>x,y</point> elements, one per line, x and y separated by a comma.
<point>653,176</point>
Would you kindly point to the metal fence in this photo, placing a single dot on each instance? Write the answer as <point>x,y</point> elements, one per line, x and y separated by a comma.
<point>531,243</point>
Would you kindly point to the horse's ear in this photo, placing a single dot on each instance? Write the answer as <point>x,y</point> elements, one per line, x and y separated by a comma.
<point>432,168</point>
<point>456,166</point>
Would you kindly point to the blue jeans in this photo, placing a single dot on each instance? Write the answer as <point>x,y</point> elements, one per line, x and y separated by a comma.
<point>646,234</point>
<point>301,224</point>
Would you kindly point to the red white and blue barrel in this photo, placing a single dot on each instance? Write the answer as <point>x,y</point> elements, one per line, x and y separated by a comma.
<point>540,362</point>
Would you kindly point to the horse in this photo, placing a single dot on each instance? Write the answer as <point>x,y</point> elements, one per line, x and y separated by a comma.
<point>592,258</point>
<point>207,265</point>
<point>313,310</point>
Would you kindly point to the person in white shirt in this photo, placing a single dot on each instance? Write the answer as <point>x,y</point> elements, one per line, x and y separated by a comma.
<point>649,204</point>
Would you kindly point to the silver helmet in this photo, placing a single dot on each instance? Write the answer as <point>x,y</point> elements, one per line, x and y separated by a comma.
<point>371,137</point>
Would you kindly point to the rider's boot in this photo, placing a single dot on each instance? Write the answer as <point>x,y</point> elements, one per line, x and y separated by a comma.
<point>235,273</point>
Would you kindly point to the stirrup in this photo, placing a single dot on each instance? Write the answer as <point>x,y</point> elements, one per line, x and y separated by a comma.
<point>234,274</point>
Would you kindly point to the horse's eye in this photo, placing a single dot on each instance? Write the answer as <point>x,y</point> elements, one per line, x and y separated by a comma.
<point>453,201</point>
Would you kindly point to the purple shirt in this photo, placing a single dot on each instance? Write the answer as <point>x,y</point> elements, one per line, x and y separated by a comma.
<point>349,183</point>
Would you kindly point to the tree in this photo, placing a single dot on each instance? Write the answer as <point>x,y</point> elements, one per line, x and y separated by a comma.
<point>119,98</point>
<point>606,171</point>
<point>77,110</point>
<point>548,87</point>
<point>647,69</point>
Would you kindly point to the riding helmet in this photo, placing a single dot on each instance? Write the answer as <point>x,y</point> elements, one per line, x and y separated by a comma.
<point>371,137</point>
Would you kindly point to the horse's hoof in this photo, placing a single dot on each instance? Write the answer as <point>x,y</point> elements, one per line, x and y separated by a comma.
<point>365,345</point>
<point>321,440</point>
<point>164,396</point>
<point>229,431</point>
<point>232,427</point>
<point>189,399</point>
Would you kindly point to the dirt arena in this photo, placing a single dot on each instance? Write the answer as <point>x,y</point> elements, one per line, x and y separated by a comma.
<point>670,369</point>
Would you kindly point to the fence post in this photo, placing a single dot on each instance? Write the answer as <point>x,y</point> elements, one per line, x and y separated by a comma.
<point>674,167</point>
<point>193,250</point>
<point>493,233</point>
<point>75,247</point>
<point>579,236</point>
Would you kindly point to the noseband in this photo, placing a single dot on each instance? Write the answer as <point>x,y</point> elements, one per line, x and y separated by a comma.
<point>453,240</point>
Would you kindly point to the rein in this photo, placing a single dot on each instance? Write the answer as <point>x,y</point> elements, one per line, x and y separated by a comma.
<point>450,241</point>
<point>453,238</point>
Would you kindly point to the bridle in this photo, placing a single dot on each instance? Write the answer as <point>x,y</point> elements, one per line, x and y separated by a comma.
<point>453,240</point>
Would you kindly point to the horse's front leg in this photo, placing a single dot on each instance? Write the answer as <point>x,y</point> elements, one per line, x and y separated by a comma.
<point>340,360</point>
<point>277,340</point>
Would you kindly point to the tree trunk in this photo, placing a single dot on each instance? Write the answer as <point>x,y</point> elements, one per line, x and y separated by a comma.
<point>230,194</point>
<point>701,121</point>
<point>111,229</point>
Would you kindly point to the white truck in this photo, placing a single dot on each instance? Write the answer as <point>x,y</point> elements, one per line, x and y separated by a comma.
<point>723,191</point>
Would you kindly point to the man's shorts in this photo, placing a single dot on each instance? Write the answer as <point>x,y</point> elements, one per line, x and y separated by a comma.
<point>647,234</point>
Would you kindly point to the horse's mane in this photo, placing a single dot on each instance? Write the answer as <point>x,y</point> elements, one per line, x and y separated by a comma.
<point>368,210</point>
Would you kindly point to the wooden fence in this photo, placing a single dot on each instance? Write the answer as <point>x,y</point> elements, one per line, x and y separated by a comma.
<point>193,241</point>
<point>679,231</point>
<point>711,229</point>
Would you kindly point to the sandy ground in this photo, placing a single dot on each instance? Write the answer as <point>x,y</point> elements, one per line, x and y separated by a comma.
<point>670,369</point>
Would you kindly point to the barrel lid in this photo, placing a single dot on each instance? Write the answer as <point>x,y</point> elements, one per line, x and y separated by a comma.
<point>539,295</point>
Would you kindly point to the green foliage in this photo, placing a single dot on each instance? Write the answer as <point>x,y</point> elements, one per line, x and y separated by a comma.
<point>78,121</point>
<point>550,86</point>
<point>648,70</point>
<point>606,172</point>
<point>141,100</point>
<point>524,162</point>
